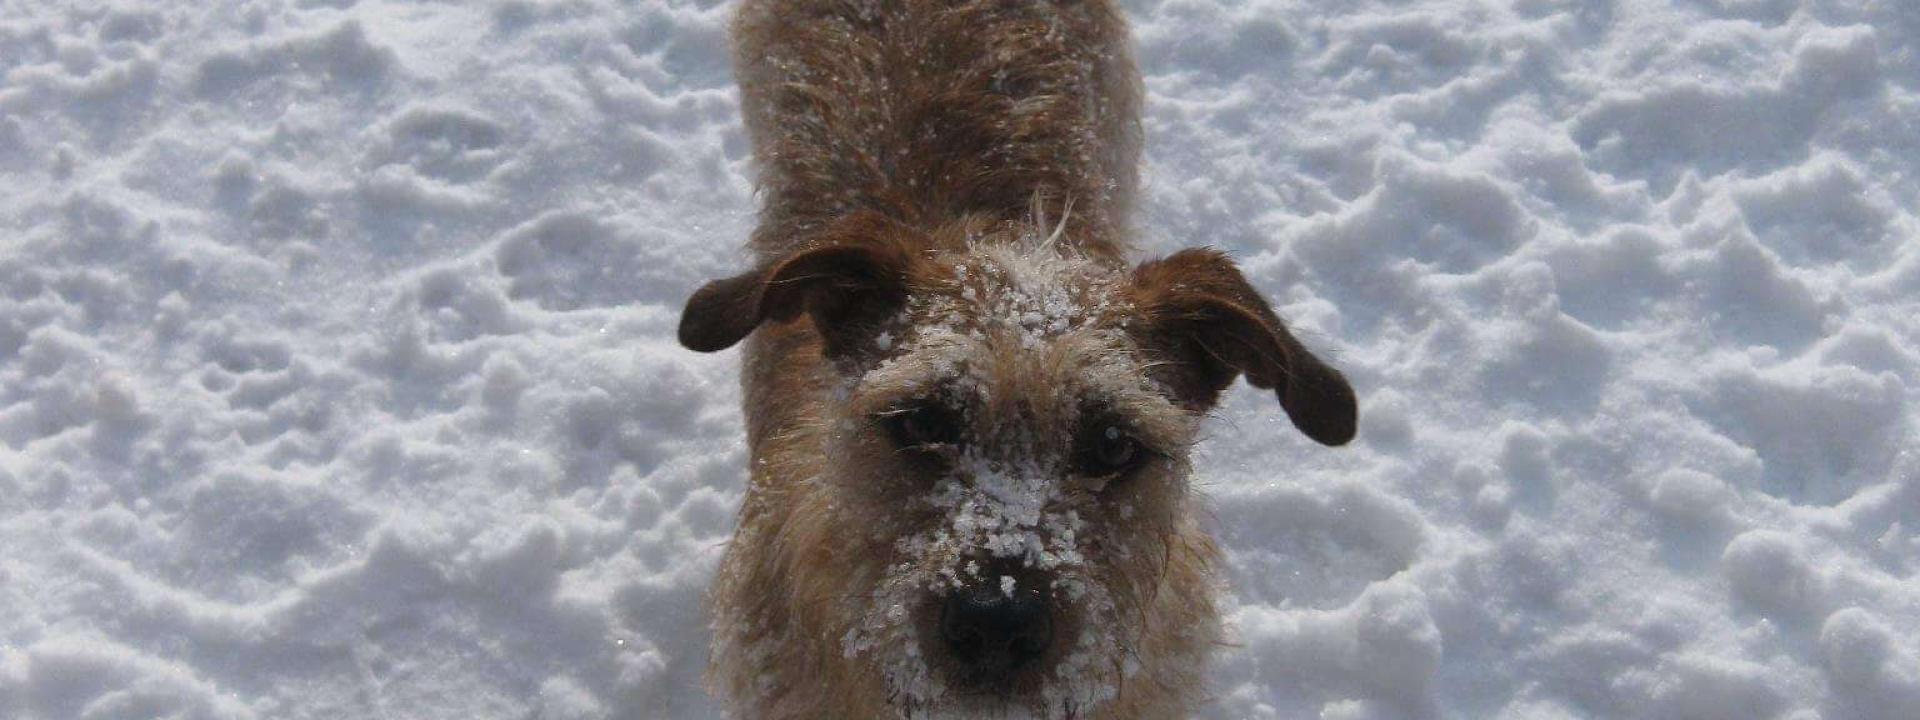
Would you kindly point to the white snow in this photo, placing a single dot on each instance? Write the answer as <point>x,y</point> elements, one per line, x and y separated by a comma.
<point>337,372</point>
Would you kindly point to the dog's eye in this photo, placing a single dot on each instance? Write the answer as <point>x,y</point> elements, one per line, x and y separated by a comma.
<point>1108,451</point>
<point>922,426</point>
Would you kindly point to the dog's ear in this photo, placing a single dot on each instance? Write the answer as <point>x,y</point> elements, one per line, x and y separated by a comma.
<point>1209,325</point>
<point>850,281</point>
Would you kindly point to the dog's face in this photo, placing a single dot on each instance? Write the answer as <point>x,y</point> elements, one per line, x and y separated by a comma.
<point>1027,474</point>
<point>1006,498</point>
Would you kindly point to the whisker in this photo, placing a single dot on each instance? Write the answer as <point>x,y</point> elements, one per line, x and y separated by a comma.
<point>1061,229</point>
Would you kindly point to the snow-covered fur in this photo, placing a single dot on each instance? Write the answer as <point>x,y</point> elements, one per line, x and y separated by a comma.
<point>946,188</point>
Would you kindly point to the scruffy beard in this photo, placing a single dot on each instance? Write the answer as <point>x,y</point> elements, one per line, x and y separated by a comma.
<point>898,627</point>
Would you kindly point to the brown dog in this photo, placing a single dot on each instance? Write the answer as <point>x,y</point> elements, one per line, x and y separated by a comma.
<point>969,418</point>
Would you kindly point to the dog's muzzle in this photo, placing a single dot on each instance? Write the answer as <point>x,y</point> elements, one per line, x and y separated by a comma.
<point>994,633</point>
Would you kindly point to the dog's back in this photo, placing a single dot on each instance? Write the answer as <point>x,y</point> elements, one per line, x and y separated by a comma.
<point>928,111</point>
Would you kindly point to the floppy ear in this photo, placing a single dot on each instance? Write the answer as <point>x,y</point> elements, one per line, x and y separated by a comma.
<point>1210,325</point>
<point>850,283</point>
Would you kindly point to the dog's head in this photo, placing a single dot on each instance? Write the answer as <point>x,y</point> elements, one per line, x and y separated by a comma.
<point>1006,496</point>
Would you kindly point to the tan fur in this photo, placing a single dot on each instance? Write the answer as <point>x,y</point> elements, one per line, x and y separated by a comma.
<point>932,110</point>
<point>946,191</point>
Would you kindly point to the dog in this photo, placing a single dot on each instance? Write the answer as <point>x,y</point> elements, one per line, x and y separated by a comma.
<point>969,416</point>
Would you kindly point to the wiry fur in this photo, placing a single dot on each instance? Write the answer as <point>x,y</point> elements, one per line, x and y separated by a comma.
<point>946,187</point>
<point>934,110</point>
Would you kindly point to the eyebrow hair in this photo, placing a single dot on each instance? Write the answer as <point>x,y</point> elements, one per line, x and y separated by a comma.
<point>898,393</point>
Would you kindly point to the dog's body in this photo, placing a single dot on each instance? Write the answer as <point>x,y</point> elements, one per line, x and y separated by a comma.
<point>968,417</point>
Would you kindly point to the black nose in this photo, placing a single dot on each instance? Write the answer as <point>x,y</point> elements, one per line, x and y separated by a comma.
<point>994,632</point>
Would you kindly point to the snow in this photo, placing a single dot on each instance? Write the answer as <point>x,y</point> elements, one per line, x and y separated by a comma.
<point>337,372</point>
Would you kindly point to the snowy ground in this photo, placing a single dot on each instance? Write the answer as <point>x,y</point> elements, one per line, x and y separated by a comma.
<point>337,376</point>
